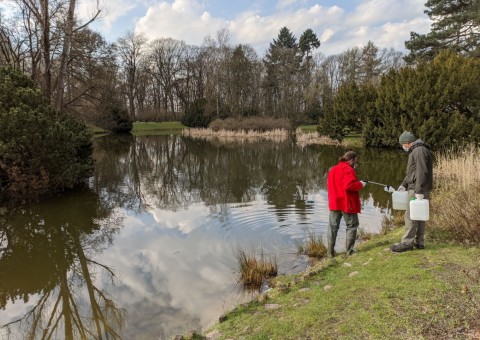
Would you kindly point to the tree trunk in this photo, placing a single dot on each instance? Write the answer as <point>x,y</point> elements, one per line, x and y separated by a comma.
<point>62,73</point>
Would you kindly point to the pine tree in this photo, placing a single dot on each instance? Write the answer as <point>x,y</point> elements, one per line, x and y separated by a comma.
<point>282,63</point>
<point>308,42</point>
<point>456,26</point>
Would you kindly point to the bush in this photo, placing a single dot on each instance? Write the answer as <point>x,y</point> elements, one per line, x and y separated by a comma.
<point>40,153</point>
<point>114,116</point>
<point>455,213</point>
<point>195,115</point>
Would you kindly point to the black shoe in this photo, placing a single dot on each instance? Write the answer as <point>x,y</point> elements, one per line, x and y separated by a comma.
<point>419,246</point>
<point>401,247</point>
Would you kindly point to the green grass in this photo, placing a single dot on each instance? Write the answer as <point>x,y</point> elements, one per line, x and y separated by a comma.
<point>150,128</point>
<point>97,130</point>
<point>411,295</point>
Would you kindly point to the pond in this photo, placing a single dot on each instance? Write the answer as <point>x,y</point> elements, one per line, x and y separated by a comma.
<point>148,250</point>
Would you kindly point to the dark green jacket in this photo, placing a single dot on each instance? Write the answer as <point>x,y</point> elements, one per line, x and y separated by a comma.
<point>419,168</point>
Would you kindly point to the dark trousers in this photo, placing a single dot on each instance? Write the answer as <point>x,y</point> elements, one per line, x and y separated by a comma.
<point>351,220</point>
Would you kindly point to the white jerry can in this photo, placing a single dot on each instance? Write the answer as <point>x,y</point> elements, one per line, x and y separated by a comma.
<point>400,200</point>
<point>419,210</point>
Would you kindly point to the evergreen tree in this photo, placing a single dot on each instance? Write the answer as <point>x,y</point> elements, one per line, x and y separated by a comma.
<point>456,26</point>
<point>39,153</point>
<point>437,100</point>
<point>352,105</point>
<point>308,42</point>
<point>282,63</point>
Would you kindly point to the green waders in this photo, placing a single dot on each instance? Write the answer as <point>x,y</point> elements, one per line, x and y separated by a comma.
<point>351,220</point>
<point>414,230</point>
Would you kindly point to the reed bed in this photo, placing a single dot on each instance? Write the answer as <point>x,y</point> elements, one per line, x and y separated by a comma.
<point>459,168</point>
<point>455,201</point>
<point>255,269</point>
<point>313,138</point>
<point>276,135</point>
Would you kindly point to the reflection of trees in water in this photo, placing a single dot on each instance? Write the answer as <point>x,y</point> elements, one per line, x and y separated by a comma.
<point>171,172</point>
<point>48,254</point>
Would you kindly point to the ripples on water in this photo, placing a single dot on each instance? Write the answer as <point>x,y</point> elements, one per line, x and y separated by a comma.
<point>165,215</point>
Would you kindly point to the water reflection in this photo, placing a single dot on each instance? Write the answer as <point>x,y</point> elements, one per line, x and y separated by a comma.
<point>47,262</point>
<point>148,252</point>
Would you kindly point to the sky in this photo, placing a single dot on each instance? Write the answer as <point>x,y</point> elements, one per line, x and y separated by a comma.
<point>339,24</point>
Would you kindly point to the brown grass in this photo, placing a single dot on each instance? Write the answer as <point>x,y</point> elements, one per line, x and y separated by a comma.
<point>259,124</point>
<point>458,168</point>
<point>255,269</point>
<point>313,138</point>
<point>455,202</point>
<point>242,135</point>
<point>312,246</point>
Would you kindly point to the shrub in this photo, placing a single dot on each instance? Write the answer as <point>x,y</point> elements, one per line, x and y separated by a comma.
<point>456,211</point>
<point>195,115</point>
<point>40,152</point>
<point>114,115</point>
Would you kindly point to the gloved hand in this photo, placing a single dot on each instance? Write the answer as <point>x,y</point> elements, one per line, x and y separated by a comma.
<point>419,196</point>
<point>363,183</point>
<point>389,189</point>
<point>401,188</point>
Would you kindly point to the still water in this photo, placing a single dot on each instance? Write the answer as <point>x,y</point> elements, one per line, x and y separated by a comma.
<point>148,251</point>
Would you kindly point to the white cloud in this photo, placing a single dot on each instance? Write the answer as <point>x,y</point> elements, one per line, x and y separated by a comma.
<point>182,20</point>
<point>111,11</point>
<point>385,22</point>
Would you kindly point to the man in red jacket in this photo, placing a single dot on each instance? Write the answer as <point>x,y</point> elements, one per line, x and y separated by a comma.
<point>343,200</point>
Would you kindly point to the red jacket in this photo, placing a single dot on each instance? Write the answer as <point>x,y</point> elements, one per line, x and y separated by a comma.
<point>343,186</point>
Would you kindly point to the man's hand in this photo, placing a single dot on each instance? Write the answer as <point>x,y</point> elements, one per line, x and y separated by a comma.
<point>401,188</point>
<point>363,183</point>
<point>389,189</point>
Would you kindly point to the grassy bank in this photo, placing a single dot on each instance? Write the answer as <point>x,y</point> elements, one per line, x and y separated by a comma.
<point>97,131</point>
<point>151,128</point>
<point>375,294</point>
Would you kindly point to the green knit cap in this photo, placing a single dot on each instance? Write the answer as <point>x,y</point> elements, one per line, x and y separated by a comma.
<point>407,137</point>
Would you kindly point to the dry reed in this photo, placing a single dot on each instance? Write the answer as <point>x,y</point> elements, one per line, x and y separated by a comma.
<point>277,135</point>
<point>313,138</point>
<point>455,202</point>
<point>253,270</point>
<point>312,246</point>
<point>459,168</point>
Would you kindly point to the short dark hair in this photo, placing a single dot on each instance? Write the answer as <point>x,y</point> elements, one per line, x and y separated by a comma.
<point>348,156</point>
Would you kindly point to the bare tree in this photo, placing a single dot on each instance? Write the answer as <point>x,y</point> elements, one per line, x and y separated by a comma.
<point>166,66</point>
<point>131,54</point>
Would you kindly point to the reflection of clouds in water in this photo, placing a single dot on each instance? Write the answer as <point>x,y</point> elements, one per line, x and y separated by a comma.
<point>179,267</point>
<point>183,220</point>
<point>16,310</point>
<point>174,278</point>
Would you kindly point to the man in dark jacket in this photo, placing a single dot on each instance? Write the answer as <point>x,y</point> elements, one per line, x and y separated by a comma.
<point>343,200</point>
<point>418,181</point>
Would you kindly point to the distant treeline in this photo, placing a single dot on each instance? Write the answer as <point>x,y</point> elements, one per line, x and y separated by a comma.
<point>363,90</point>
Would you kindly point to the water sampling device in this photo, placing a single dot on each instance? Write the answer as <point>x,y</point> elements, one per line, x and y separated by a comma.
<point>387,188</point>
<point>399,198</point>
<point>419,209</point>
